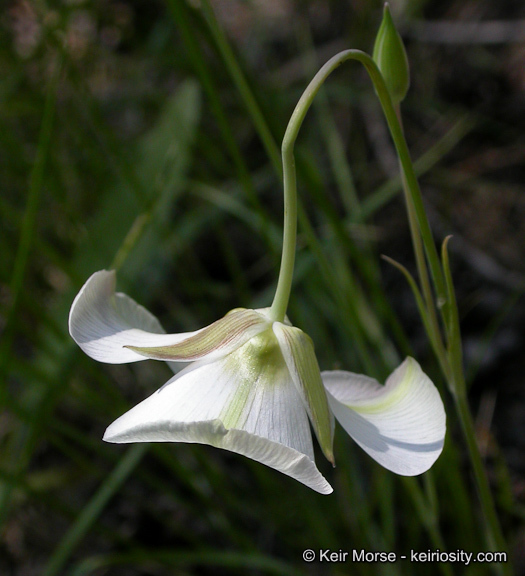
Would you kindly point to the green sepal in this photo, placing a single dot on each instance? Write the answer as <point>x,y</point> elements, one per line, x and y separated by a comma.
<point>221,337</point>
<point>299,354</point>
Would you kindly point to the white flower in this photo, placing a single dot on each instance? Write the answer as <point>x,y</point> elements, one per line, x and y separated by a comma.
<point>253,385</point>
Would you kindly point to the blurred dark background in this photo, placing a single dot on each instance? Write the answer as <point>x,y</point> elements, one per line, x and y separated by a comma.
<point>119,64</point>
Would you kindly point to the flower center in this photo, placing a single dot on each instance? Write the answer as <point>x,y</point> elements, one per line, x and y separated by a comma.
<point>256,365</point>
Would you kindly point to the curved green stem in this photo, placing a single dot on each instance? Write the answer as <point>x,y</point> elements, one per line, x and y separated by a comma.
<point>282,295</point>
<point>429,314</point>
<point>284,284</point>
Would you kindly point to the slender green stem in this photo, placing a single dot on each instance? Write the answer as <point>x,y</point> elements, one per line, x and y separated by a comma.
<point>459,393</point>
<point>282,294</point>
<point>411,187</point>
<point>430,313</point>
<point>451,363</point>
<point>430,308</point>
<point>284,284</point>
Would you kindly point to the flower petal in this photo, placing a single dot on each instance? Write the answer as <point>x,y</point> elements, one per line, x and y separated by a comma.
<point>298,351</point>
<point>216,340</point>
<point>102,322</point>
<point>401,425</point>
<point>244,402</point>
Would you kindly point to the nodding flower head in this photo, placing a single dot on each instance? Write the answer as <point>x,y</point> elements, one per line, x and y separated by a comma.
<point>253,386</point>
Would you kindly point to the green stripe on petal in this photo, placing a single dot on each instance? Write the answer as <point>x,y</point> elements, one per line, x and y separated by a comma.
<point>401,425</point>
<point>298,351</point>
<point>257,363</point>
<point>240,403</point>
<point>214,341</point>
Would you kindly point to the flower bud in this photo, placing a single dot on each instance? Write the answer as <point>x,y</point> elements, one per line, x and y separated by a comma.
<point>390,57</point>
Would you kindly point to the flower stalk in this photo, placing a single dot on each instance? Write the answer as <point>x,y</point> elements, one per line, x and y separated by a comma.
<point>290,188</point>
<point>450,357</point>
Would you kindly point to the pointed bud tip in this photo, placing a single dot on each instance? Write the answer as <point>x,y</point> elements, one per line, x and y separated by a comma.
<point>329,454</point>
<point>391,59</point>
<point>387,15</point>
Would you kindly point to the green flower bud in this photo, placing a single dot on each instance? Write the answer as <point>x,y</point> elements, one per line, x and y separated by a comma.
<point>390,57</point>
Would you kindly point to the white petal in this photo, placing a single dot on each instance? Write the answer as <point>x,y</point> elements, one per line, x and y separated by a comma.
<point>102,322</point>
<point>401,425</point>
<point>244,402</point>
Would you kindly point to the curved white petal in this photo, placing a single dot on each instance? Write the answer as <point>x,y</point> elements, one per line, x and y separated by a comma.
<point>102,322</point>
<point>401,424</point>
<point>244,402</point>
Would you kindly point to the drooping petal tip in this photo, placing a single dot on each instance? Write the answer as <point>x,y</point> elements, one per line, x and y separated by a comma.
<point>213,433</point>
<point>401,425</point>
<point>244,402</point>
<point>102,322</point>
